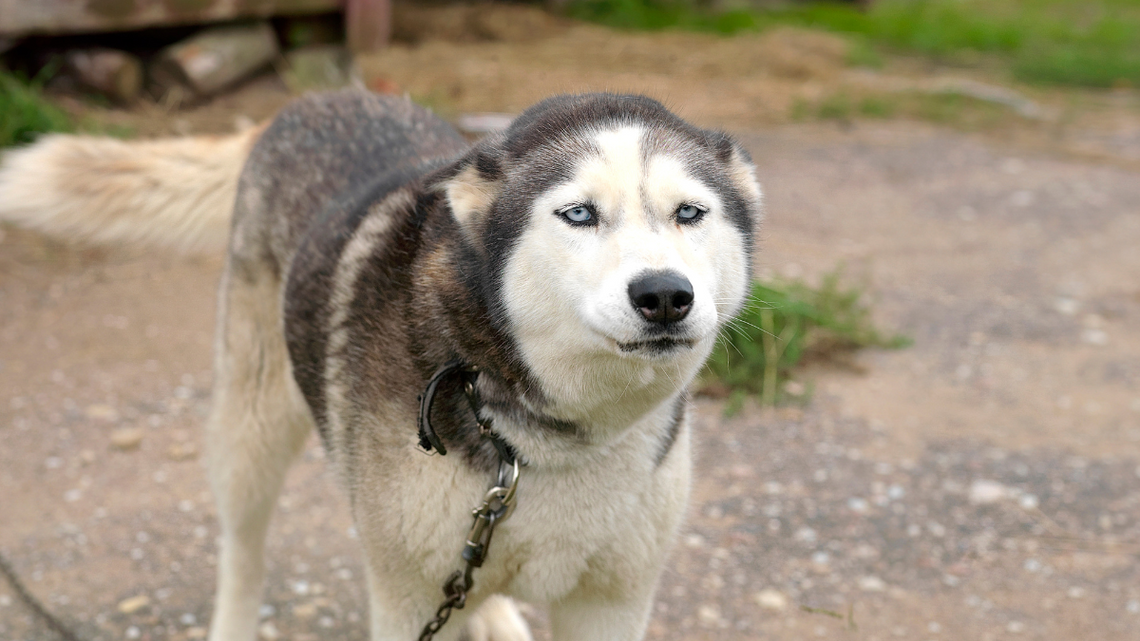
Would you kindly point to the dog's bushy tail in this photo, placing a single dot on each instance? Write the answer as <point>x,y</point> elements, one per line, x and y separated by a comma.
<point>176,193</point>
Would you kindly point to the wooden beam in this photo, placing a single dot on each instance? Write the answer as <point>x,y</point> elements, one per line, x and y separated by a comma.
<point>368,24</point>
<point>26,17</point>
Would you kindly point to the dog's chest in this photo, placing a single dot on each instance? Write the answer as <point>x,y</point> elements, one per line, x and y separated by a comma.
<point>590,529</point>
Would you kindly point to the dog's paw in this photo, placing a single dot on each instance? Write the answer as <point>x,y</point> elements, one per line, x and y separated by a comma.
<point>498,619</point>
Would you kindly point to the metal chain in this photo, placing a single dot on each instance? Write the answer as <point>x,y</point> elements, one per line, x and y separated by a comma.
<point>456,600</point>
<point>33,603</point>
<point>497,505</point>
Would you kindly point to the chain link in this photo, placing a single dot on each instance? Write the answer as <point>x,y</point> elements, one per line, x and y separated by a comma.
<point>457,584</point>
<point>497,506</point>
<point>33,603</point>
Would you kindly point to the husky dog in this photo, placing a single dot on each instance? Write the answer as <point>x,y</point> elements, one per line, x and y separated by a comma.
<point>582,262</point>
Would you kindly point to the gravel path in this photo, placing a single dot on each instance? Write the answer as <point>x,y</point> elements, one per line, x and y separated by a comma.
<point>982,484</point>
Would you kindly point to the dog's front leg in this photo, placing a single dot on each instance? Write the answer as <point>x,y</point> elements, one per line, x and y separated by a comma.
<point>586,617</point>
<point>396,611</point>
<point>394,616</point>
<point>498,619</point>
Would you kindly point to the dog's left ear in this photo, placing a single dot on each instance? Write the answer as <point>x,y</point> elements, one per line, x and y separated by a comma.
<point>475,186</point>
<point>739,166</point>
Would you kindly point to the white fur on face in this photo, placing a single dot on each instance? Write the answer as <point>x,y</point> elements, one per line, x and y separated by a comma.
<point>566,287</point>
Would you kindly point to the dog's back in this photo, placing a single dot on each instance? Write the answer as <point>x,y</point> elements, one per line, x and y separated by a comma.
<point>327,156</point>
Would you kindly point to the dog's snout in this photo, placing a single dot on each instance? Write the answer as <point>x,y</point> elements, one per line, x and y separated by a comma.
<point>662,297</point>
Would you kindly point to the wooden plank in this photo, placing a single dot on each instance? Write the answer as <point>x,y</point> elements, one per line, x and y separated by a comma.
<point>212,60</point>
<point>368,24</point>
<point>27,17</point>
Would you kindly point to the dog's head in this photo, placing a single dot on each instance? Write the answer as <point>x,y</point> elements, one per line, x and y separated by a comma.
<point>609,229</point>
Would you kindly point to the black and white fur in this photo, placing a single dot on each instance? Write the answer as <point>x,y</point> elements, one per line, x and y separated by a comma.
<point>370,244</point>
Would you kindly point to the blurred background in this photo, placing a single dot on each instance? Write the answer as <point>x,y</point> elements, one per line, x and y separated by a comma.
<point>927,425</point>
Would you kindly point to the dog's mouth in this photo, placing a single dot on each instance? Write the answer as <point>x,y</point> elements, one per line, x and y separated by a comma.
<point>657,346</point>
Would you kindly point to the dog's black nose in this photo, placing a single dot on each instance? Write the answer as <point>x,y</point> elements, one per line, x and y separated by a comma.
<point>662,297</point>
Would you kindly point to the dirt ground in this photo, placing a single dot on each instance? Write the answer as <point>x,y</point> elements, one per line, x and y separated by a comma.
<point>981,484</point>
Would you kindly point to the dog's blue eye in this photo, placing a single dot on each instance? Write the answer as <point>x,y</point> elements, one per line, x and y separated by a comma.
<point>578,214</point>
<point>689,213</point>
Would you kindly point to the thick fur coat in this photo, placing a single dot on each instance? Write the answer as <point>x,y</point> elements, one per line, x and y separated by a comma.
<point>584,260</point>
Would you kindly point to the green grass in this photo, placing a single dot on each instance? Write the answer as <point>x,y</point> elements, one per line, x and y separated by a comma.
<point>25,113</point>
<point>945,108</point>
<point>785,324</point>
<point>1092,43</point>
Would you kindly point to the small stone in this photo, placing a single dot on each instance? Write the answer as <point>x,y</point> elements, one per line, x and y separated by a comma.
<point>133,632</point>
<point>1022,198</point>
<point>872,584</point>
<point>1028,502</point>
<point>1015,627</point>
<point>1076,592</point>
<point>268,631</point>
<point>709,615</point>
<point>482,123</point>
<point>1013,166</point>
<point>985,492</point>
<point>101,412</point>
<point>1066,306</point>
<point>770,599</point>
<point>305,610</point>
<point>858,505</point>
<point>126,439</point>
<point>196,633</point>
<point>741,471</point>
<point>187,619</point>
<point>1093,336</point>
<point>182,452</point>
<point>1133,606</point>
<point>133,604</point>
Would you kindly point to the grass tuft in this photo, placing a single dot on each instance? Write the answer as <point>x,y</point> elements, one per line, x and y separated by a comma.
<point>25,113</point>
<point>947,108</point>
<point>785,324</point>
<point>1093,43</point>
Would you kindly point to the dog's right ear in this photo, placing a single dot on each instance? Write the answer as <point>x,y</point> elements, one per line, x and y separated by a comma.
<point>474,188</point>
